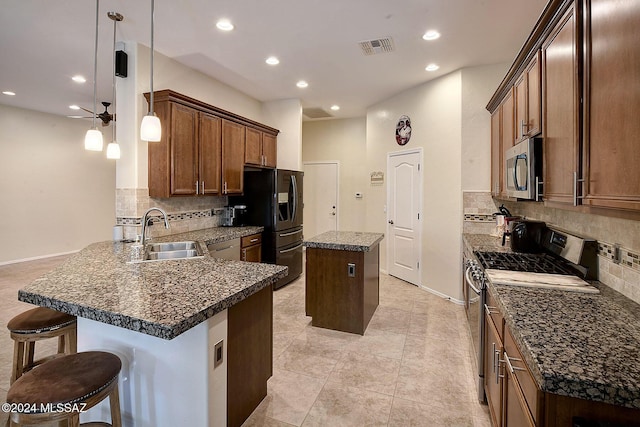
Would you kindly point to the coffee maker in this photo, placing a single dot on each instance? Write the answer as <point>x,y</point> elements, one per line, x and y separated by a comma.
<point>234,216</point>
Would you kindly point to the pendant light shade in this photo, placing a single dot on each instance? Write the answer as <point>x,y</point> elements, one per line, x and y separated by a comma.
<point>93,138</point>
<point>113,150</point>
<point>150,128</point>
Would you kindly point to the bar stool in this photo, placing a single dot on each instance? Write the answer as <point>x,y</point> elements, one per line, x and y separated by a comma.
<point>77,381</point>
<point>37,324</point>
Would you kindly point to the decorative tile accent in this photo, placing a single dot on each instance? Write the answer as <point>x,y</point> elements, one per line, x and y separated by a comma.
<point>480,217</point>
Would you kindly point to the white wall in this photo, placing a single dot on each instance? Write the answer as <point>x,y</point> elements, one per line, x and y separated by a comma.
<point>478,85</point>
<point>344,141</point>
<point>286,116</point>
<point>56,197</point>
<point>436,114</point>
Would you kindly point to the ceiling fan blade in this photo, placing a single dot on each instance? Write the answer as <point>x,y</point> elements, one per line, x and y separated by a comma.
<point>88,111</point>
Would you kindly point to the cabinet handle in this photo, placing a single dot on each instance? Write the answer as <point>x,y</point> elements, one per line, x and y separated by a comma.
<point>497,366</point>
<point>197,187</point>
<point>244,255</point>
<point>576,181</point>
<point>202,187</point>
<point>523,126</point>
<point>508,360</point>
<point>488,310</point>
<point>538,192</point>
<point>225,188</point>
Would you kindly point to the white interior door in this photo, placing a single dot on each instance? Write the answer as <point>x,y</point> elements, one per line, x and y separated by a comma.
<point>404,190</point>
<point>320,197</point>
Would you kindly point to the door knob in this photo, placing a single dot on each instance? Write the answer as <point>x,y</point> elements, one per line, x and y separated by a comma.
<point>391,221</point>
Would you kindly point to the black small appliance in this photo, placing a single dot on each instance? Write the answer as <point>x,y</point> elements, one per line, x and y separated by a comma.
<point>526,236</point>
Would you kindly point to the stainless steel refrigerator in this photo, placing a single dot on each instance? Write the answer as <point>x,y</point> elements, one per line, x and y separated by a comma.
<point>274,201</point>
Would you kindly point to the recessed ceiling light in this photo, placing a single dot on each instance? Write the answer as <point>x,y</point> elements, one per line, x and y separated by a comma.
<point>302,84</point>
<point>335,107</point>
<point>8,92</point>
<point>431,35</point>
<point>74,107</point>
<point>78,79</point>
<point>224,25</point>
<point>432,67</point>
<point>272,60</point>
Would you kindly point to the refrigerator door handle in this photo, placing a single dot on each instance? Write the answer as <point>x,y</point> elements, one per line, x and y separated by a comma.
<point>295,198</point>
<point>291,249</point>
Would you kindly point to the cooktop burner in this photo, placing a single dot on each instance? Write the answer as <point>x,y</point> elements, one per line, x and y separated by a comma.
<point>532,263</point>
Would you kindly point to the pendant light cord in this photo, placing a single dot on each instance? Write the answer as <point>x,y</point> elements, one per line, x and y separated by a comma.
<point>95,68</point>
<point>113,84</point>
<point>151,82</point>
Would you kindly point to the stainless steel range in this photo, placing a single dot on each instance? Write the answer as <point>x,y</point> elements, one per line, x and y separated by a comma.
<point>566,258</point>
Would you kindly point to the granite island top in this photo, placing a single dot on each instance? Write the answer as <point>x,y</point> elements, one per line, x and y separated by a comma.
<point>575,344</point>
<point>345,241</point>
<point>160,298</point>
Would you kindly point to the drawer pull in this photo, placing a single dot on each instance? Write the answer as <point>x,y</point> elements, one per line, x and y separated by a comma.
<point>489,309</point>
<point>254,240</point>
<point>511,367</point>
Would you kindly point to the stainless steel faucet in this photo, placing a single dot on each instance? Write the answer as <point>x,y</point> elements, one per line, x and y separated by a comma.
<point>145,218</point>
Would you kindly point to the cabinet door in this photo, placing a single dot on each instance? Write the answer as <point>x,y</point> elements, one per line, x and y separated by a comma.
<point>520,91</point>
<point>253,147</point>
<point>493,371</point>
<point>516,413</point>
<point>532,73</point>
<point>496,152</point>
<point>560,111</point>
<point>612,66</point>
<point>184,150</point>
<point>233,140</point>
<point>252,253</point>
<point>270,150</point>
<point>210,153</point>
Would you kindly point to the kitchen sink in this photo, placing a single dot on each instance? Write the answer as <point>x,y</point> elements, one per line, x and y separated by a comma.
<point>171,250</point>
<point>173,246</point>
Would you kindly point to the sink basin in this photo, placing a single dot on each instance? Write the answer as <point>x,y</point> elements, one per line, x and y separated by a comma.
<point>173,246</point>
<point>171,250</point>
<point>179,254</point>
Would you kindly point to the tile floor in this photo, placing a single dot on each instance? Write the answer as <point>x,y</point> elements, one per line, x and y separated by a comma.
<point>412,367</point>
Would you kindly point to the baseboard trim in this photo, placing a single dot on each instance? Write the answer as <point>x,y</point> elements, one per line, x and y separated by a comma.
<point>441,295</point>
<point>35,258</point>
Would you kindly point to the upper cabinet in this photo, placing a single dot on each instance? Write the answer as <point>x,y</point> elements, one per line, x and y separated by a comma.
<point>260,149</point>
<point>502,138</point>
<point>612,104</point>
<point>560,112</point>
<point>203,148</point>
<point>575,81</point>
<point>527,106</point>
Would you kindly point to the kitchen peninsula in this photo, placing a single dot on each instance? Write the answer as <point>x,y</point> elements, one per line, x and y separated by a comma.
<point>342,279</point>
<point>179,327</point>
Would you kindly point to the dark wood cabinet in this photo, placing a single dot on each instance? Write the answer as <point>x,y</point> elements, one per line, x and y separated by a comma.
<point>202,150</point>
<point>561,96</point>
<point>493,370</point>
<point>527,104</point>
<point>233,138</point>
<point>612,104</point>
<point>249,354</point>
<point>502,138</point>
<point>260,149</point>
<point>251,248</point>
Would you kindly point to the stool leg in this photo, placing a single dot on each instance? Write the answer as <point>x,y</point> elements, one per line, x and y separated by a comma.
<point>114,404</point>
<point>74,421</point>
<point>18,361</point>
<point>61,343</point>
<point>72,341</point>
<point>29,352</point>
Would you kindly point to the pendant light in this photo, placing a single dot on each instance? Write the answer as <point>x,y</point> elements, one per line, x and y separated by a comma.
<point>113,149</point>
<point>150,129</point>
<point>93,138</point>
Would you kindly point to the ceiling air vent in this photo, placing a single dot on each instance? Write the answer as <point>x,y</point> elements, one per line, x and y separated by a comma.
<point>315,113</point>
<point>373,47</point>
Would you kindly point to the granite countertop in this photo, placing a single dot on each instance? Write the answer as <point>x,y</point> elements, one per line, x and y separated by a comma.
<point>345,241</point>
<point>575,344</point>
<point>161,298</point>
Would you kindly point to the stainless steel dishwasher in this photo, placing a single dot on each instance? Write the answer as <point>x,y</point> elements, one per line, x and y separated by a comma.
<point>229,249</point>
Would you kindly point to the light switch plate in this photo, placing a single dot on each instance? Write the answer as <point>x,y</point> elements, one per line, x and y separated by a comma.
<point>218,354</point>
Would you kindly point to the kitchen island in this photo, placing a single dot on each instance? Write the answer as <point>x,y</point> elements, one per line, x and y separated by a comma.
<point>342,279</point>
<point>581,349</point>
<point>166,321</point>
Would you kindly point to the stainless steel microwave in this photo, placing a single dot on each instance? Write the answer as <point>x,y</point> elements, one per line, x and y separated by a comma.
<point>523,169</point>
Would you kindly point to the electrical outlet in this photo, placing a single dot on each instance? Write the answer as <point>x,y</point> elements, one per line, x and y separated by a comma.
<point>218,354</point>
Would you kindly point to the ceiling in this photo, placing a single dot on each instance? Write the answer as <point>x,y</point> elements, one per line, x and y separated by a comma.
<point>43,43</point>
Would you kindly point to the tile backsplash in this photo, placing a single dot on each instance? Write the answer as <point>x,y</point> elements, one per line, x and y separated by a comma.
<point>621,273</point>
<point>184,213</point>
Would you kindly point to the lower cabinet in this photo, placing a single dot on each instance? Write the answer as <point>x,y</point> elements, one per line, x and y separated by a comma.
<point>251,248</point>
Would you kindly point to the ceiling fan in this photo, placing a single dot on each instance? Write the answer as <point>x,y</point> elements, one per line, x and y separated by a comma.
<point>105,116</point>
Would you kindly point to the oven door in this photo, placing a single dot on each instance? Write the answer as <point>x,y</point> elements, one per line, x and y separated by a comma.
<point>475,301</point>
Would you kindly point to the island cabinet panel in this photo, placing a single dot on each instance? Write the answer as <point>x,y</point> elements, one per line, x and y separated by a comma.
<point>560,88</point>
<point>612,125</point>
<point>233,141</point>
<point>338,298</point>
<point>249,354</point>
